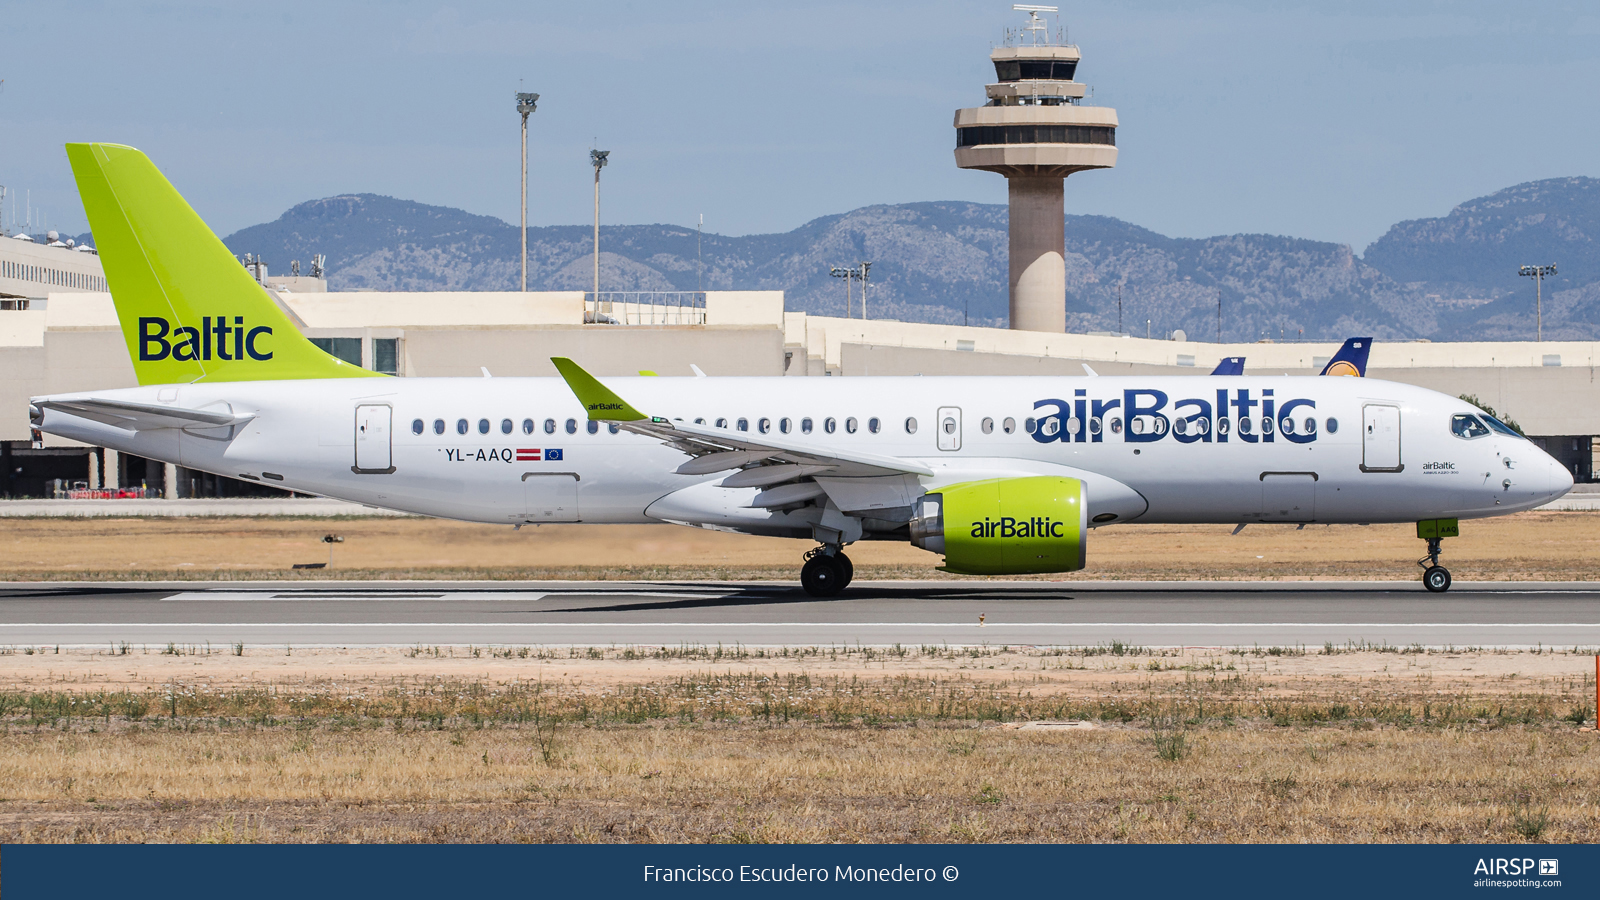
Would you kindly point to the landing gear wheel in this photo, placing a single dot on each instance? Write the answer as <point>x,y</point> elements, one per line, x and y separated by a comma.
<point>822,576</point>
<point>1436,579</point>
<point>847,567</point>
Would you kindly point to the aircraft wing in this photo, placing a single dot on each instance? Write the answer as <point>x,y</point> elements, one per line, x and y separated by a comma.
<point>142,416</point>
<point>764,460</point>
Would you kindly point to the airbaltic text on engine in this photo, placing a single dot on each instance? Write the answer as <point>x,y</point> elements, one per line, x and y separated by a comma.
<point>1151,416</point>
<point>189,343</point>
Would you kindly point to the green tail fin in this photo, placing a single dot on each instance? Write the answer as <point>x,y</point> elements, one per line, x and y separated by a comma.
<point>189,310</point>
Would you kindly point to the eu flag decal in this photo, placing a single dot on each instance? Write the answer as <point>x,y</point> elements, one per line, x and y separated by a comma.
<point>552,455</point>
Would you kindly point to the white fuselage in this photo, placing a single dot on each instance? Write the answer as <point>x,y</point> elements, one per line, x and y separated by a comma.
<point>1375,451</point>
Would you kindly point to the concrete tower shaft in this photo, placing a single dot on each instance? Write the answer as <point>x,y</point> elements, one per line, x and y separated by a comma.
<point>1035,131</point>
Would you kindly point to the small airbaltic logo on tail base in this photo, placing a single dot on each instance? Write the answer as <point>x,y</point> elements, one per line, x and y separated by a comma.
<point>215,335</point>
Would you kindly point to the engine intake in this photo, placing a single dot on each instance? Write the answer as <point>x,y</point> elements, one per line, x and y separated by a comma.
<point>1005,526</point>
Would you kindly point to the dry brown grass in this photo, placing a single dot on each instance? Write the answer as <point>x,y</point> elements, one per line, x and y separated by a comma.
<point>823,745</point>
<point>1528,546</point>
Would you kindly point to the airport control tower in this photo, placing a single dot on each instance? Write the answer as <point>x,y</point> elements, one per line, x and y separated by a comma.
<point>1034,131</point>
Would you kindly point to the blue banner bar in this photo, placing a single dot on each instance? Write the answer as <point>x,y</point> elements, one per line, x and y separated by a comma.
<point>312,872</point>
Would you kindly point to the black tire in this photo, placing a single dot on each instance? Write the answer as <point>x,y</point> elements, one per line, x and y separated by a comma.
<point>847,567</point>
<point>1436,579</point>
<point>821,576</point>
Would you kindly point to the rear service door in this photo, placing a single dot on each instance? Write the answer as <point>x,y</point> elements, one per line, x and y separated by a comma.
<point>374,454</point>
<point>949,428</point>
<point>1380,438</point>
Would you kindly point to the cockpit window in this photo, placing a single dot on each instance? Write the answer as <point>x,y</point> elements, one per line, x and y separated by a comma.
<point>1465,426</point>
<point>1500,426</point>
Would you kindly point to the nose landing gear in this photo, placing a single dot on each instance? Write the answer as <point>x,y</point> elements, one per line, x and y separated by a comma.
<point>1436,578</point>
<point>827,571</point>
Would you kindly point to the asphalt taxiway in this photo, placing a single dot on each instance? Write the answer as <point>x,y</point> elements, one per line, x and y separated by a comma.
<point>1165,614</point>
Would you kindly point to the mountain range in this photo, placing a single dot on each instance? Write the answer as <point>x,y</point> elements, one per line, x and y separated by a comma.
<point>1447,278</point>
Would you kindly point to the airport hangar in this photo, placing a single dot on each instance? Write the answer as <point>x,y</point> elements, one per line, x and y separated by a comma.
<point>56,337</point>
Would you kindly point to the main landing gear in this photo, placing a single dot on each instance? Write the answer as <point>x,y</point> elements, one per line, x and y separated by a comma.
<point>827,571</point>
<point>1436,578</point>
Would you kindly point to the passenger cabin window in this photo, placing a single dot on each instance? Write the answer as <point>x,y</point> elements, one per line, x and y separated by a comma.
<point>805,426</point>
<point>572,426</point>
<point>506,426</point>
<point>1030,425</point>
<point>1465,426</point>
<point>612,426</point>
<point>1009,426</point>
<point>744,424</point>
<point>988,425</point>
<point>483,426</point>
<point>873,425</point>
<point>417,426</point>
<point>850,425</point>
<point>462,426</point>
<point>911,425</point>
<point>765,425</point>
<point>784,425</point>
<point>722,423</point>
<point>549,426</point>
<point>1333,426</point>
<point>527,426</point>
<point>438,426</point>
<point>594,427</point>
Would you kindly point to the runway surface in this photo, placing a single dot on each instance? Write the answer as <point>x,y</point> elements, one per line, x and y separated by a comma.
<point>349,614</point>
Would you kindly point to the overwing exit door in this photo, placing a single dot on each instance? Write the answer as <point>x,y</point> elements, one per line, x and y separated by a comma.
<point>374,452</point>
<point>1380,438</point>
<point>949,424</point>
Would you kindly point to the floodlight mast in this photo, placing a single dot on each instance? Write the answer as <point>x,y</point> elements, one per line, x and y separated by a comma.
<point>1537,273</point>
<point>597,158</point>
<point>526,103</point>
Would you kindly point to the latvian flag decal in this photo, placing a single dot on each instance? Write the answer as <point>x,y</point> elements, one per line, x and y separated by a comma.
<point>527,455</point>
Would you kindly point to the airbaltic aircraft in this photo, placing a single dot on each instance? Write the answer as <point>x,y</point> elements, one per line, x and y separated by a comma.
<point>1001,475</point>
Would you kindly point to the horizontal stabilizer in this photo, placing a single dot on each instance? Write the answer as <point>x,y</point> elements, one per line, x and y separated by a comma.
<point>142,416</point>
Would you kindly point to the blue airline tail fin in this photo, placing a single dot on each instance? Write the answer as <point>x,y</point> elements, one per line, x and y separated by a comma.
<point>1230,365</point>
<point>1351,358</point>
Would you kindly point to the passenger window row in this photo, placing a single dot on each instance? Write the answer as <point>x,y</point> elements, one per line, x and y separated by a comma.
<point>1142,424</point>
<point>529,426</point>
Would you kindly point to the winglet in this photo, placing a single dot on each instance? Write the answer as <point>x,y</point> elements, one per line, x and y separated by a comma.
<point>1230,365</point>
<point>602,404</point>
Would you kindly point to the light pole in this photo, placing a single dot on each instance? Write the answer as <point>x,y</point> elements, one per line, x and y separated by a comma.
<point>1219,315</point>
<point>846,273</point>
<point>597,158</point>
<point>1537,273</point>
<point>866,269</point>
<point>526,103</point>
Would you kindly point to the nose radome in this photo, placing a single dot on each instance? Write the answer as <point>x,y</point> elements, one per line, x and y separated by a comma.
<point>1560,478</point>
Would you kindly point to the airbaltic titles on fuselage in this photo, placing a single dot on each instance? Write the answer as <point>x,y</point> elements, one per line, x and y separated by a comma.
<point>1150,416</point>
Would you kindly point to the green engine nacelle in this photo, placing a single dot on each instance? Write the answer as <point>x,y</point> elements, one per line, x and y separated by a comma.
<point>1005,526</point>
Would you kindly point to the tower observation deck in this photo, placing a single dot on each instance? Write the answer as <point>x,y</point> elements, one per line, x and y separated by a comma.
<point>1034,131</point>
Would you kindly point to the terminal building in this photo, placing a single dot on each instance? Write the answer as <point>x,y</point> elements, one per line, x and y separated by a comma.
<point>59,330</point>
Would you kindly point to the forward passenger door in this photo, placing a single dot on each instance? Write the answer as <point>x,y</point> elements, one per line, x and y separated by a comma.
<point>1380,438</point>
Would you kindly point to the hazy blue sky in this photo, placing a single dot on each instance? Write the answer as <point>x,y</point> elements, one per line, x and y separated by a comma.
<point>1321,120</point>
